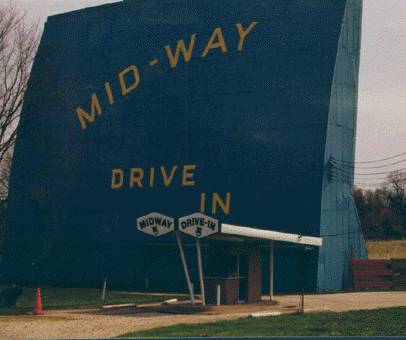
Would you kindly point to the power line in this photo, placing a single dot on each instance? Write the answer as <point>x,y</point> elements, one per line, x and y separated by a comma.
<point>366,174</point>
<point>367,185</point>
<point>371,161</point>
<point>342,175</point>
<point>340,234</point>
<point>335,161</point>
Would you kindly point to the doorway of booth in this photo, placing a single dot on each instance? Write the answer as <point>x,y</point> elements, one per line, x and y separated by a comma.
<point>233,274</point>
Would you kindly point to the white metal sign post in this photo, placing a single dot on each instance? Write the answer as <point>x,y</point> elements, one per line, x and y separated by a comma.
<point>200,266</point>
<point>199,225</point>
<point>156,224</point>
<point>185,268</point>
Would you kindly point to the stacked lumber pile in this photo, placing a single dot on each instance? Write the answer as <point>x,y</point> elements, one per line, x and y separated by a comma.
<point>372,274</point>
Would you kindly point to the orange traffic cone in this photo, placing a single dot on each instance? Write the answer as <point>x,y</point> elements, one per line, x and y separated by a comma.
<point>38,305</point>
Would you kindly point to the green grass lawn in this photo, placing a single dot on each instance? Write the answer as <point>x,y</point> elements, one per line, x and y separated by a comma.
<point>60,298</point>
<point>380,322</point>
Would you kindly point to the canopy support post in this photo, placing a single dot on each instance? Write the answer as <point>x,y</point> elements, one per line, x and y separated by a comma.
<point>271,267</point>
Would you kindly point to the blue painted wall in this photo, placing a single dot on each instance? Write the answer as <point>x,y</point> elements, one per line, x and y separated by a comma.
<point>340,226</point>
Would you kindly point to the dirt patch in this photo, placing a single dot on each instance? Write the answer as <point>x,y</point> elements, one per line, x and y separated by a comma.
<point>387,249</point>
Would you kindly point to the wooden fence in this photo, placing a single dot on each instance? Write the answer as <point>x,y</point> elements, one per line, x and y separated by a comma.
<point>379,273</point>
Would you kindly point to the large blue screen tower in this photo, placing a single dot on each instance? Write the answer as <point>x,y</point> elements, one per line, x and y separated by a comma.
<point>235,107</point>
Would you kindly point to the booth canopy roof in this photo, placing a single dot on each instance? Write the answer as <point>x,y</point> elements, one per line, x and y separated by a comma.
<point>255,233</point>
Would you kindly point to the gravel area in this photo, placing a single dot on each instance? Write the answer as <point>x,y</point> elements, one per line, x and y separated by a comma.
<point>104,324</point>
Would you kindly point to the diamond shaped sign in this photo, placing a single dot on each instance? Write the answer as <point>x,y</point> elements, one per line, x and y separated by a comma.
<point>198,225</point>
<point>155,224</point>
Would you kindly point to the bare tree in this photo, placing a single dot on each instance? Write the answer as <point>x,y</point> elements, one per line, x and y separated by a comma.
<point>5,174</point>
<point>18,44</point>
<point>382,211</point>
<point>396,181</point>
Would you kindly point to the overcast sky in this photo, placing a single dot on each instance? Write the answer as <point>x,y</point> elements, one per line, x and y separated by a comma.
<point>381,128</point>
